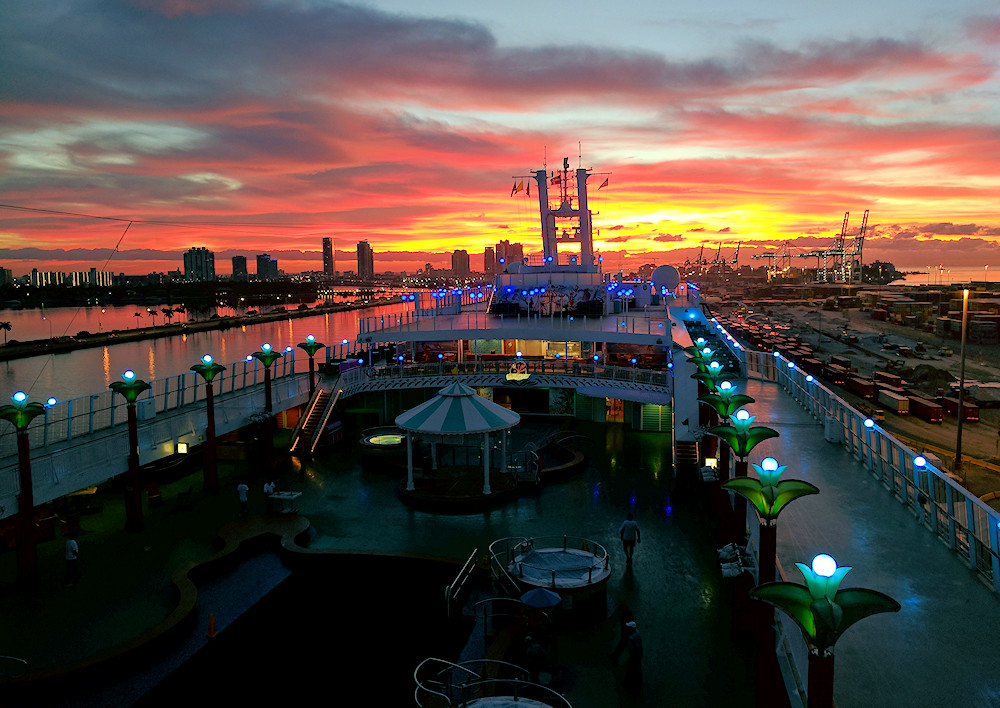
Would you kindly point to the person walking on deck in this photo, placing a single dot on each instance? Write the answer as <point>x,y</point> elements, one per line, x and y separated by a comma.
<point>633,669</point>
<point>242,490</point>
<point>629,534</point>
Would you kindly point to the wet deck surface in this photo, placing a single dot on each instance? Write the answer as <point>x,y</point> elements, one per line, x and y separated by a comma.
<point>941,649</point>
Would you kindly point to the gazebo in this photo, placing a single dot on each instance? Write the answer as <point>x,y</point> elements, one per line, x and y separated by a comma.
<point>455,414</point>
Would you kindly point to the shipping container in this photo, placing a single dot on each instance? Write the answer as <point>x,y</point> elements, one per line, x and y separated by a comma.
<point>894,402</point>
<point>970,411</point>
<point>836,375</point>
<point>841,361</point>
<point>861,387</point>
<point>812,366</point>
<point>888,379</point>
<point>926,410</point>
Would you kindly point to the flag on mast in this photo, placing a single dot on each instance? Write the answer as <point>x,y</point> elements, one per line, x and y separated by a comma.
<point>604,183</point>
<point>517,188</point>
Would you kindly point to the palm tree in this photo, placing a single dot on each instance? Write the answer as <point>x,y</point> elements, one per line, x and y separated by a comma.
<point>137,314</point>
<point>168,313</point>
<point>151,313</point>
<point>6,327</point>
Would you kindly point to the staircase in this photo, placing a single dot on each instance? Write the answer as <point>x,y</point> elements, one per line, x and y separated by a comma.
<point>687,461</point>
<point>308,432</point>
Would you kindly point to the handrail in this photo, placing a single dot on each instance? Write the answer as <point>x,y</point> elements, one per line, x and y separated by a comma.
<point>444,687</point>
<point>941,503</point>
<point>452,591</point>
<point>524,545</point>
<point>318,433</point>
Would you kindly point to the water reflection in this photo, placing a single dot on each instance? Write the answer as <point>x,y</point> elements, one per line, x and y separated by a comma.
<point>72,374</point>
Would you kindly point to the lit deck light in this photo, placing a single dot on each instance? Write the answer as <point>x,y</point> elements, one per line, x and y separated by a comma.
<point>919,461</point>
<point>869,423</point>
<point>809,378</point>
<point>128,375</point>
<point>343,341</point>
<point>824,565</point>
<point>207,359</point>
<point>791,365</point>
<point>742,414</point>
<point>51,402</point>
<point>769,464</point>
<point>310,338</point>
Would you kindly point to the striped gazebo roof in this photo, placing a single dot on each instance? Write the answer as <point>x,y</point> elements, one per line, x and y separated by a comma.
<point>457,410</point>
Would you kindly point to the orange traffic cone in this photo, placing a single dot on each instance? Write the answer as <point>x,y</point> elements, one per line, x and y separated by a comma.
<point>211,626</point>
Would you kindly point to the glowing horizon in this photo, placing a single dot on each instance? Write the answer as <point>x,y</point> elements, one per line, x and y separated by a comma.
<point>248,126</point>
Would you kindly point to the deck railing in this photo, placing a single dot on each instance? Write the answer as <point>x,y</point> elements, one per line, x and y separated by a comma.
<point>574,325</point>
<point>939,501</point>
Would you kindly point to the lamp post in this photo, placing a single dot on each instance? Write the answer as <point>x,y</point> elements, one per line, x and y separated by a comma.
<point>267,356</point>
<point>208,370</point>
<point>823,613</point>
<point>742,439</point>
<point>130,389</point>
<point>961,386</point>
<point>310,347</point>
<point>725,401</point>
<point>20,413</point>
<point>769,494</point>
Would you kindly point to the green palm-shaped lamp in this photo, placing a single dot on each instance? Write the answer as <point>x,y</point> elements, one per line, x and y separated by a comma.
<point>20,413</point>
<point>310,347</point>
<point>823,612</point>
<point>769,494</point>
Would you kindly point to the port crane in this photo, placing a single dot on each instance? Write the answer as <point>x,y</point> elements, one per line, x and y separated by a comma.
<point>839,264</point>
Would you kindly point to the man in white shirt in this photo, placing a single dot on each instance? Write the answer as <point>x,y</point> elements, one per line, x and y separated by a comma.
<point>629,533</point>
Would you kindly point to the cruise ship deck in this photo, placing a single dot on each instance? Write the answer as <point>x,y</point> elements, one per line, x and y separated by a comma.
<point>940,649</point>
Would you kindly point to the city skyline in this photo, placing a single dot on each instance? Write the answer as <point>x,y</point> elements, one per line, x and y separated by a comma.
<point>406,128</point>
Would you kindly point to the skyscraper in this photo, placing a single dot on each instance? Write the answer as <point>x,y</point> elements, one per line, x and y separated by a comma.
<point>199,264</point>
<point>460,264</point>
<point>239,267</point>
<point>489,262</point>
<point>366,261</point>
<point>329,265</point>
<point>266,268</point>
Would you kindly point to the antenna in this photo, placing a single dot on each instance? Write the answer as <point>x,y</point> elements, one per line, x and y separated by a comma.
<point>579,151</point>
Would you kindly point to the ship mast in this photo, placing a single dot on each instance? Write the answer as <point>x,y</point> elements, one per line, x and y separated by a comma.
<point>566,224</point>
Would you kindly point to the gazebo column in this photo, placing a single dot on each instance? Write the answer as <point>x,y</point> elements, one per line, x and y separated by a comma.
<point>409,462</point>
<point>503,451</point>
<point>434,455</point>
<point>486,463</point>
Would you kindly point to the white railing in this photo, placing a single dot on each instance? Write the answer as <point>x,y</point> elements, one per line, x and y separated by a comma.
<point>434,320</point>
<point>367,378</point>
<point>942,505</point>
<point>66,420</point>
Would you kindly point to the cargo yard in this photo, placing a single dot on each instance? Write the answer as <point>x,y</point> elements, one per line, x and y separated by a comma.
<point>903,377</point>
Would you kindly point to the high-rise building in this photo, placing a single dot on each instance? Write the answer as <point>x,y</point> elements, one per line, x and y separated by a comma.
<point>460,264</point>
<point>329,264</point>
<point>46,277</point>
<point>366,261</point>
<point>239,267</point>
<point>507,253</point>
<point>489,262</point>
<point>267,269</point>
<point>199,264</point>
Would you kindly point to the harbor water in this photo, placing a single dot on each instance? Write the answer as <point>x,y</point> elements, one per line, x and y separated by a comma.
<point>88,371</point>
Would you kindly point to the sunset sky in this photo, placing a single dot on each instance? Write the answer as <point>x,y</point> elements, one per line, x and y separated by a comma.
<point>252,126</point>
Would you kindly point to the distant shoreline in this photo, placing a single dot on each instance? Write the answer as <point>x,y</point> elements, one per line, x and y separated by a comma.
<point>60,345</point>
